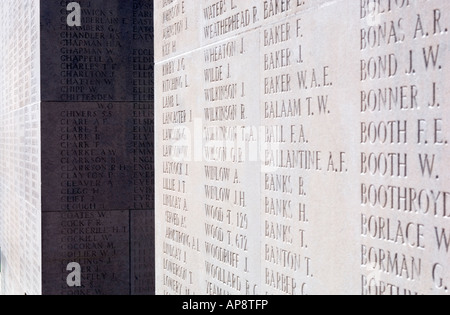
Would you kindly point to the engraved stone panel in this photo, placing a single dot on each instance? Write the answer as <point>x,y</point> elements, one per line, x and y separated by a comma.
<point>97,147</point>
<point>76,147</point>
<point>108,58</point>
<point>302,147</point>
<point>98,241</point>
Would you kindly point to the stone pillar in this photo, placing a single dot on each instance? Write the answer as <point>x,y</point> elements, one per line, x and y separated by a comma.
<point>97,146</point>
<point>20,148</point>
<point>94,147</point>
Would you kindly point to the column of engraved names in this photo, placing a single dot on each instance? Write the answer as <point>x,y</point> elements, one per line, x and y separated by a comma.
<point>85,229</point>
<point>87,56</point>
<point>143,57</point>
<point>403,190</point>
<point>87,165</point>
<point>91,239</point>
<point>229,142</point>
<point>91,166</point>
<point>180,245</point>
<point>226,224</point>
<point>282,258</point>
<point>142,217</point>
<point>174,25</point>
<point>86,63</point>
<point>296,101</point>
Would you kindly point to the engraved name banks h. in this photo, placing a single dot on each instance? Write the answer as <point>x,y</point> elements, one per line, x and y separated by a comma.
<point>74,17</point>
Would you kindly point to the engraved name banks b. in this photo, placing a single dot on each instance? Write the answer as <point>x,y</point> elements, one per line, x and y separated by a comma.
<point>74,18</point>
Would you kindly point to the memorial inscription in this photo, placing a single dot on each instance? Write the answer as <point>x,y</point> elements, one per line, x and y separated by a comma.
<point>302,147</point>
<point>404,150</point>
<point>97,147</point>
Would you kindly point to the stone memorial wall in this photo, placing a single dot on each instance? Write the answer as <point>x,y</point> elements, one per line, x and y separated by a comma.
<point>97,147</point>
<point>76,147</point>
<point>20,177</point>
<point>302,147</point>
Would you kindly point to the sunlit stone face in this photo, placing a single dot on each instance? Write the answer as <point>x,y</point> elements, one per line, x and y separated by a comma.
<point>303,146</point>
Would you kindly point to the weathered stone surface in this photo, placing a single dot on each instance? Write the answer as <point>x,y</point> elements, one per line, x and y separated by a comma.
<point>20,176</point>
<point>76,147</point>
<point>97,147</point>
<point>108,59</point>
<point>302,147</point>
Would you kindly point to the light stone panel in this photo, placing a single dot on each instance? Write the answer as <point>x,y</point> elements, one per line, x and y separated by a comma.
<point>339,120</point>
<point>20,193</point>
<point>179,22</point>
<point>97,148</point>
<point>76,148</point>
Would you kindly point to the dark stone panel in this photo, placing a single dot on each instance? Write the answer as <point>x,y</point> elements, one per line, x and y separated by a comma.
<point>142,252</point>
<point>98,241</point>
<point>97,131</point>
<point>97,156</point>
<point>108,58</point>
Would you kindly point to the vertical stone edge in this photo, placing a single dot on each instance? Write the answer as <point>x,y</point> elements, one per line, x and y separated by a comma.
<point>125,211</point>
